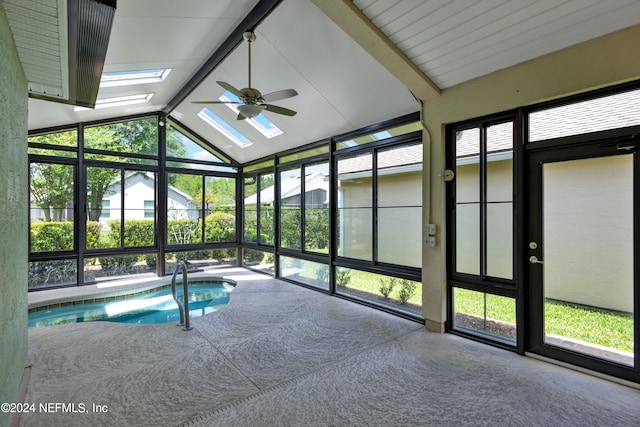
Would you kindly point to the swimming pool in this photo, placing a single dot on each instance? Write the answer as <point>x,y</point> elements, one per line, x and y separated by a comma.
<point>156,306</point>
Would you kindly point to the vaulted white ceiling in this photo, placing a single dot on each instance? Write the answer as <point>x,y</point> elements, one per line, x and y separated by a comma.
<point>341,86</point>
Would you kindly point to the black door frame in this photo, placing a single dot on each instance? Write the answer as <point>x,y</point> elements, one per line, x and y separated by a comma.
<point>600,144</point>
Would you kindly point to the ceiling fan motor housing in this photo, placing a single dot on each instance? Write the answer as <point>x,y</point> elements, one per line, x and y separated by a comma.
<point>251,95</point>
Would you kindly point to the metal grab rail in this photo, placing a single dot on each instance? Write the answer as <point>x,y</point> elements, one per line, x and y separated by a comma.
<point>182,307</point>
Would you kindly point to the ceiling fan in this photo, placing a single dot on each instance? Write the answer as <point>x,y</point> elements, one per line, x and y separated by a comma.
<point>252,102</point>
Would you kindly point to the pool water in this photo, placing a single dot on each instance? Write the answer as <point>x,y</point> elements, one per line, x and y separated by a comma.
<point>154,307</point>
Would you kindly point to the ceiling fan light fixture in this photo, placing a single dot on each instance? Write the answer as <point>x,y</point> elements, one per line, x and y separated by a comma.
<point>250,110</point>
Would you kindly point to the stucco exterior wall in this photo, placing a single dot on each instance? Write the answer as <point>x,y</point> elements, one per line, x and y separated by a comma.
<point>588,232</point>
<point>596,63</point>
<point>355,206</point>
<point>499,218</point>
<point>13,211</point>
<point>399,218</point>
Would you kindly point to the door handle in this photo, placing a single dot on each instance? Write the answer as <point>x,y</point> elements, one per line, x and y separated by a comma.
<point>534,260</point>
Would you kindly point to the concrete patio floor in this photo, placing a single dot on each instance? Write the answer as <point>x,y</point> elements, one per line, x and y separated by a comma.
<point>283,355</point>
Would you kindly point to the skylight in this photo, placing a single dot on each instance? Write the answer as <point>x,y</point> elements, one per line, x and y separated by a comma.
<point>260,122</point>
<point>221,126</point>
<point>124,78</point>
<point>118,101</point>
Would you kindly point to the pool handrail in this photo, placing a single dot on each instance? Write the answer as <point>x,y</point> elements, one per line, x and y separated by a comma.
<point>183,308</point>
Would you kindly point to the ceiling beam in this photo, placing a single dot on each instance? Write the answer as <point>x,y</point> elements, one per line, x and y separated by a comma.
<point>360,28</point>
<point>249,23</point>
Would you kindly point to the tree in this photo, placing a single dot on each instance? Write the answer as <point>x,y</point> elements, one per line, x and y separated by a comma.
<point>51,188</point>
<point>98,182</point>
<point>135,136</point>
<point>52,184</point>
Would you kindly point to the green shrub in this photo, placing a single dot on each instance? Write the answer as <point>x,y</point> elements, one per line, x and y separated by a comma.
<point>118,264</point>
<point>51,236</point>
<point>253,256</point>
<point>137,232</point>
<point>407,289</point>
<point>386,286</point>
<point>322,274</point>
<point>94,228</point>
<point>290,227</point>
<point>223,254</point>
<point>151,260</point>
<point>183,231</point>
<point>317,228</point>
<point>220,227</point>
<point>343,277</point>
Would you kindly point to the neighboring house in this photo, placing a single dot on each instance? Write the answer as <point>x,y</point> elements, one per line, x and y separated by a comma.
<point>37,214</point>
<point>316,192</point>
<point>139,200</point>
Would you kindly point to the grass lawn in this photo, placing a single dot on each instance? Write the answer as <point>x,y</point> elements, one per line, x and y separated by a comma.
<point>601,327</point>
<point>369,282</point>
<point>366,282</point>
<point>613,330</point>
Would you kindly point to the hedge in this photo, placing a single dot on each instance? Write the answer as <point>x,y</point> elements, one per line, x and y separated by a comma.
<point>58,236</point>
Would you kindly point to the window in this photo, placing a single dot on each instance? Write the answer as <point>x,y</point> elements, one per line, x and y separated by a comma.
<point>399,205</point>
<point>220,206</point>
<point>266,234</point>
<point>394,292</point>
<point>251,209</point>
<point>124,78</point>
<point>105,213</point>
<point>485,313</point>
<point>380,135</point>
<point>603,113</point>
<point>200,208</point>
<point>317,235</point>
<point>484,207</point>
<point>180,146</point>
<point>224,128</point>
<point>481,221</point>
<point>355,207</point>
<point>149,209</point>
<point>290,209</point>
<point>51,202</point>
<point>184,209</point>
<point>258,260</point>
<point>121,170</point>
<point>118,101</point>
<point>58,144</point>
<point>130,138</point>
<point>259,207</point>
<point>303,271</point>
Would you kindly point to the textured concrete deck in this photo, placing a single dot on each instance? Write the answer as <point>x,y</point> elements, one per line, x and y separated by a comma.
<point>280,354</point>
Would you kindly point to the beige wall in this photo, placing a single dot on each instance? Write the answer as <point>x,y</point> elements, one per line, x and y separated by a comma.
<point>588,232</point>
<point>597,63</point>
<point>399,227</point>
<point>499,219</point>
<point>355,219</point>
<point>13,218</point>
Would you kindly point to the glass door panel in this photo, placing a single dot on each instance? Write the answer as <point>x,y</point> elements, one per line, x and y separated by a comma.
<point>588,257</point>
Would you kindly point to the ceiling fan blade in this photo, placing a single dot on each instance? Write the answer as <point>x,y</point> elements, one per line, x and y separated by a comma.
<point>240,116</point>
<point>215,102</point>
<point>230,88</point>
<point>279,110</point>
<point>280,94</point>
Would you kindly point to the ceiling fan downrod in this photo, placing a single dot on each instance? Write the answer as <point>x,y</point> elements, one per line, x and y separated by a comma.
<point>250,37</point>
